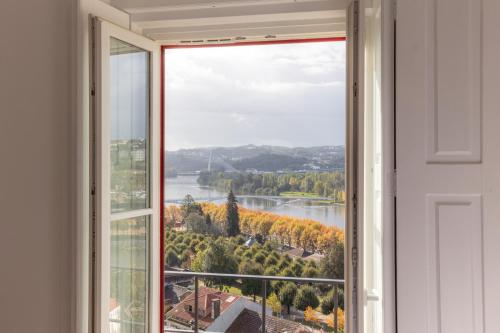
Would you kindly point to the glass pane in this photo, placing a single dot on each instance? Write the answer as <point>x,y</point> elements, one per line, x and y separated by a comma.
<point>129,285</point>
<point>129,118</point>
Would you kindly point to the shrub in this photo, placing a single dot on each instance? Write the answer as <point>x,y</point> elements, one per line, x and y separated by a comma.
<point>260,258</point>
<point>310,272</point>
<point>306,296</point>
<point>327,304</point>
<point>270,261</point>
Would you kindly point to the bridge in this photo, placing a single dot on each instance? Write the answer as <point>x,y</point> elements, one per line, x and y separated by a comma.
<point>281,200</point>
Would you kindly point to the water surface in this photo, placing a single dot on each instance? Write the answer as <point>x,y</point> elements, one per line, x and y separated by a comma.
<point>328,214</point>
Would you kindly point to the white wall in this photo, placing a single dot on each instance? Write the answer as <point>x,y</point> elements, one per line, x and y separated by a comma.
<point>36,126</point>
<point>44,112</point>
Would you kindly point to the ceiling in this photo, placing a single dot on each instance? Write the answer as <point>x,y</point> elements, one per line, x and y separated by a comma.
<point>226,21</point>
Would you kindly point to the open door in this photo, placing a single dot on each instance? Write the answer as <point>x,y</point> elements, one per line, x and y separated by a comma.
<point>352,176</point>
<point>370,243</point>
<point>126,191</point>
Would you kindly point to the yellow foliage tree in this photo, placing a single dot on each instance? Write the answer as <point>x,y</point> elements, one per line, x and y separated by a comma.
<point>274,303</point>
<point>285,229</point>
<point>340,319</point>
<point>310,315</point>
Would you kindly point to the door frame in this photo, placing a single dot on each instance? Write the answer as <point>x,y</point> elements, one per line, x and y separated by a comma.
<point>350,164</point>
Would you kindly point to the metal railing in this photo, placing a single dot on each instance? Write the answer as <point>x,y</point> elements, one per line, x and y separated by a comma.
<point>265,279</point>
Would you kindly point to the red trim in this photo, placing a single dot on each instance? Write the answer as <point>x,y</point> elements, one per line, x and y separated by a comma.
<point>286,41</point>
<point>162,136</point>
<point>162,189</point>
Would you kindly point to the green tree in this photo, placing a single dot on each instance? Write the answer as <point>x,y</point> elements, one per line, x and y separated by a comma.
<point>208,220</point>
<point>287,295</point>
<point>332,264</point>
<point>171,258</point>
<point>327,303</point>
<point>232,216</point>
<point>260,257</point>
<point>251,286</point>
<point>189,206</point>
<point>310,272</point>
<point>306,296</point>
<point>271,261</point>
<point>297,268</point>
<point>218,259</point>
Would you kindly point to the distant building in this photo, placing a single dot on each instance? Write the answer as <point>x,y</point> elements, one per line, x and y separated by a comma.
<point>114,316</point>
<point>297,253</point>
<point>251,241</point>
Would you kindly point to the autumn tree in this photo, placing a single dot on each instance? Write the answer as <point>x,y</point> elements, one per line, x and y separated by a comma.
<point>330,320</point>
<point>310,315</point>
<point>232,216</point>
<point>274,303</point>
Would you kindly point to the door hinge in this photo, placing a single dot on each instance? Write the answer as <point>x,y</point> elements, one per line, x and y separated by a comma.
<point>355,89</point>
<point>395,182</point>
<point>354,256</point>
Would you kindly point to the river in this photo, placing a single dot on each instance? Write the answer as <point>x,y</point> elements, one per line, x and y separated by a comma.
<point>328,214</point>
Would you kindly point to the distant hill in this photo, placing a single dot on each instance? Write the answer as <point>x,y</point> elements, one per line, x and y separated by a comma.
<point>257,158</point>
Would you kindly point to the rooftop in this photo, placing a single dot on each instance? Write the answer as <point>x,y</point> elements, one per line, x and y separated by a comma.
<point>250,322</point>
<point>182,314</point>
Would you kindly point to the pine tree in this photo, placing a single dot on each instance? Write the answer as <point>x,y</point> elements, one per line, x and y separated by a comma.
<point>208,219</point>
<point>232,216</point>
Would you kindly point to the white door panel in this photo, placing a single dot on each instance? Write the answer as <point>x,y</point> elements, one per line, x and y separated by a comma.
<point>447,216</point>
<point>126,181</point>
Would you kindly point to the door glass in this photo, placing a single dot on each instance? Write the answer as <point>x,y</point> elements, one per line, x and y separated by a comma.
<point>129,118</point>
<point>128,311</point>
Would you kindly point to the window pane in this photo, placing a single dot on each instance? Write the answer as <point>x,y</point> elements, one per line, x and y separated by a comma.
<point>129,275</point>
<point>129,117</point>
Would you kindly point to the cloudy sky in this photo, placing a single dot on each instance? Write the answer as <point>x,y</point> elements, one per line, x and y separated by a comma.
<point>282,94</point>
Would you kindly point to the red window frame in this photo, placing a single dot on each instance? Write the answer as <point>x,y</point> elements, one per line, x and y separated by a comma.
<point>162,136</point>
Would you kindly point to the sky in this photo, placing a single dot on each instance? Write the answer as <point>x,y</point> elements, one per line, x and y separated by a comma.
<point>128,94</point>
<point>283,94</point>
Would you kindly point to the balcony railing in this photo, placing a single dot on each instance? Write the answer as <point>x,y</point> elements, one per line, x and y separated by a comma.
<point>264,279</point>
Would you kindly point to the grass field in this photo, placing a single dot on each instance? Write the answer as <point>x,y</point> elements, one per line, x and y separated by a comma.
<point>299,194</point>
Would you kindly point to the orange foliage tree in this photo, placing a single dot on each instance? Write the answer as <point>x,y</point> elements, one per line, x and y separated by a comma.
<point>304,233</point>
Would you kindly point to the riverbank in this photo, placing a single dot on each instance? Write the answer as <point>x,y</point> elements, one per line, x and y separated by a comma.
<point>319,208</point>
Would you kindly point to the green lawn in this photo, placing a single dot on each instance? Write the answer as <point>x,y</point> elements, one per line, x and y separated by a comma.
<point>299,194</point>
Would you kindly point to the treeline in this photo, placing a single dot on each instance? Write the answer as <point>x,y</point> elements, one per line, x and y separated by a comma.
<point>307,234</point>
<point>324,184</point>
<point>230,255</point>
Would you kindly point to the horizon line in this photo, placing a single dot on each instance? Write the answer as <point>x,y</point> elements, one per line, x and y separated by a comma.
<point>250,144</point>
